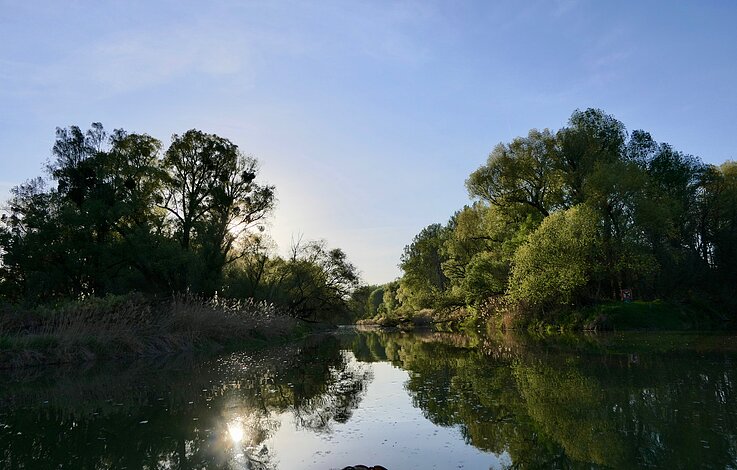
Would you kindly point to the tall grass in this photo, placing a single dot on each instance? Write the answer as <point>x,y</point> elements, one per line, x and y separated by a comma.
<point>134,326</point>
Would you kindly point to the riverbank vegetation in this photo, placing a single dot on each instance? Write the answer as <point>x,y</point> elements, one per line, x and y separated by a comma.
<point>563,223</point>
<point>117,327</point>
<point>117,214</point>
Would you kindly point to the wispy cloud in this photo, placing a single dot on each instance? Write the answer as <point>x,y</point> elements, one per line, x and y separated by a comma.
<point>563,7</point>
<point>129,61</point>
<point>133,60</point>
<point>216,46</point>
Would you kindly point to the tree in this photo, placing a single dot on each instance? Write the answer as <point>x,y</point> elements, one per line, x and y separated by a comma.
<point>119,217</point>
<point>520,173</point>
<point>469,233</point>
<point>592,138</point>
<point>422,262</point>
<point>558,261</point>
<point>213,199</point>
<point>486,277</point>
<point>718,222</point>
<point>478,248</point>
<point>33,260</point>
<point>314,282</point>
<point>670,220</point>
<point>360,304</point>
<point>375,299</point>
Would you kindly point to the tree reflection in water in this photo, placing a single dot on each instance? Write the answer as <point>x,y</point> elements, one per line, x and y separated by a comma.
<point>576,401</point>
<point>181,414</point>
<point>665,401</point>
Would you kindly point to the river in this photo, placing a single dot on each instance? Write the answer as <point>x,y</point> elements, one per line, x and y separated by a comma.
<point>401,400</point>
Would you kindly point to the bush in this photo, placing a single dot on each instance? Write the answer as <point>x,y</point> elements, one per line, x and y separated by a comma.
<point>557,262</point>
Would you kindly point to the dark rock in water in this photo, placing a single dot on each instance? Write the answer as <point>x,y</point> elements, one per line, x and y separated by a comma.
<point>363,467</point>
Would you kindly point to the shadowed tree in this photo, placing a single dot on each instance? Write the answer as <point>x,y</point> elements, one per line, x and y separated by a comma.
<point>592,138</point>
<point>422,263</point>
<point>212,198</point>
<point>314,283</point>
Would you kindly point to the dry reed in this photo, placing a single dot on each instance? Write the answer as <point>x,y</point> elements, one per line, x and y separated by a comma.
<point>134,326</point>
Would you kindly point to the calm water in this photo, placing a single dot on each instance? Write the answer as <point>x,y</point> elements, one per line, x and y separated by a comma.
<point>404,401</point>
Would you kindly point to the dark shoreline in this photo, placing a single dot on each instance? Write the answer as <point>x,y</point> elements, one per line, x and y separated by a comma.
<point>133,326</point>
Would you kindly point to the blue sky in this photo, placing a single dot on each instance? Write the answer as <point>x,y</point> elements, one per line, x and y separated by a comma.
<point>367,116</point>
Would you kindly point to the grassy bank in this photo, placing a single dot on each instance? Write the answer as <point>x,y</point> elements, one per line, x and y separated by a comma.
<point>654,315</point>
<point>458,318</point>
<point>136,326</point>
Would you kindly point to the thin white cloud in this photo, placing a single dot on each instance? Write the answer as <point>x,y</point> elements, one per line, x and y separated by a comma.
<point>134,60</point>
<point>563,7</point>
<point>224,43</point>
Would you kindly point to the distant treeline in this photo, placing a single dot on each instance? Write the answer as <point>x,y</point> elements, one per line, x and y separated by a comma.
<point>117,213</point>
<point>587,214</point>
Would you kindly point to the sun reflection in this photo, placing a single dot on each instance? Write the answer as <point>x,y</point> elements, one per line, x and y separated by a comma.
<point>235,429</point>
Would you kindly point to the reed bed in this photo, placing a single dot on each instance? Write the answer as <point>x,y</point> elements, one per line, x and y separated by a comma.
<point>135,326</point>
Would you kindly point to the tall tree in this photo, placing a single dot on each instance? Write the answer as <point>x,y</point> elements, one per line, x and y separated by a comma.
<point>422,263</point>
<point>213,198</point>
<point>592,138</point>
<point>520,173</point>
<point>558,262</point>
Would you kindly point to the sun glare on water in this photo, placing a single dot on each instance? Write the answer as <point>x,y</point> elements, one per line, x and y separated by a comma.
<point>235,429</point>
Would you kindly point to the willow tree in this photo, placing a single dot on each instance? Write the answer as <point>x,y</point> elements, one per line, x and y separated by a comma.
<point>521,173</point>
<point>559,261</point>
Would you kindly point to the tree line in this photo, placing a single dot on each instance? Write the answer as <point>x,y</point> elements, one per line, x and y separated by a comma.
<point>117,212</point>
<point>561,220</point>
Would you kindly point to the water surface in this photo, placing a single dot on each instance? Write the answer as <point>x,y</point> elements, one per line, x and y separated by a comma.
<point>429,400</point>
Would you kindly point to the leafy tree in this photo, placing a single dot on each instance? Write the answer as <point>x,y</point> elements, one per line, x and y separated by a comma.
<point>376,298</point>
<point>120,217</point>
<point>422,263</point>
<point>718,224</point>
<point>470,231</point>
<point>592,138</point>
<point>314,283</point>
<point>390,301</point>
<point>669,217</point>
<point>213,199</point>
<point>558,261</point>
<point>486,277</point>
<point>34,261</point>
<point>360,302</point>
<point>520,173</point>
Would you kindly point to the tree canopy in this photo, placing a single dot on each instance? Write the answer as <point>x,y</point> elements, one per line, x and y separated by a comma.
<point>565,218</point>
<point>119,212</point>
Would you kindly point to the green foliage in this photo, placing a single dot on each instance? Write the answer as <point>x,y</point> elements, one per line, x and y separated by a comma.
<point>582,214</point>
<point>718,236</point>
<point>521,173</point>
<point>212,199</point>
<point>376,298</point>
<point>315,283</point>
<point>422,263</point>
<point>558,261</point>
<point>486,276</point>
<point>116,215</point>
<point>360,303</point>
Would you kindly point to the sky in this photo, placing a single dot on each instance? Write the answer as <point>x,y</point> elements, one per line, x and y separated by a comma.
<point>367,116</point>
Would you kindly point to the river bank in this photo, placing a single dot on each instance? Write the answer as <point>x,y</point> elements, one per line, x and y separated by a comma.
<point>656,315</point>
<point>134,326</point>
